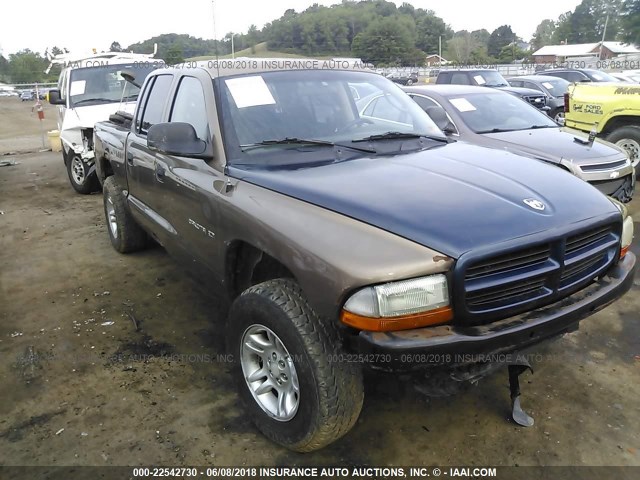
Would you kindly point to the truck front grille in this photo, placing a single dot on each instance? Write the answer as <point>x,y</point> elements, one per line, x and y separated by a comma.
<point>596,167</point>
<point>507,284</point>
<point>538,101</point>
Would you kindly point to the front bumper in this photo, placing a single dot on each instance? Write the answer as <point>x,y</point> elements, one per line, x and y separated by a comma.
<point>454,346</point>
<point>621,189</point>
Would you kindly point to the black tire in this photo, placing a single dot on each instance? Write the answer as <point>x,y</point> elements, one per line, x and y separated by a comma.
<point>558,114</point>
<point>128,236</point>
<point>330,391</point>
<point>628,138</point>
<point>78,171</point>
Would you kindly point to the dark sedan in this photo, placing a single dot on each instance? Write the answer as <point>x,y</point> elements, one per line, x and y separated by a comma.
<point>553,87</point>
<point>492,118</point>
<point>403,78</point>
<point>579,75</point>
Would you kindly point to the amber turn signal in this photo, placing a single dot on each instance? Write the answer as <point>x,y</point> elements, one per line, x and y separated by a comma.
<point>623,251</point>
<point>405,322</point>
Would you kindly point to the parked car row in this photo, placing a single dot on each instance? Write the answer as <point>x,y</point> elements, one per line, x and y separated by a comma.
<point>351,231</point>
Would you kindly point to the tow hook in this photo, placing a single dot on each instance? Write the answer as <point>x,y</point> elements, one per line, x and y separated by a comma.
<point>517,368</point>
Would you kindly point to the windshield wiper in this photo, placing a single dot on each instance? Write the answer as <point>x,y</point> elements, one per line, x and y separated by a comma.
<point>301,141</point>
<point>498,130</point>
<point>533,127</point>
<point>102,100</point>
<point>398,135</point>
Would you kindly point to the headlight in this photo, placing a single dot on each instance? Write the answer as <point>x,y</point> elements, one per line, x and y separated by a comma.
<point>621,206</point>
<point>627,228</point>
<point>399,305</point>
<point>627,236</point>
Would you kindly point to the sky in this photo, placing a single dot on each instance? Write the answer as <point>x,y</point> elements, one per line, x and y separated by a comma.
<point>81,25</point>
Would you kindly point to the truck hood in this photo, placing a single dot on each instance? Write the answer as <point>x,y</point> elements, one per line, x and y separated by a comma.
<point>555,144</point>
<point>451,199</point>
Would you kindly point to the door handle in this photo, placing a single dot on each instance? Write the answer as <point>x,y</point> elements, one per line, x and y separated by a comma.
<point>160,172</point>
<point>130,158</point>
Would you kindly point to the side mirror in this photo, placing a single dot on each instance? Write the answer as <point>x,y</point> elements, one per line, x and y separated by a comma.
<point>441,119</point>
<point>130,77</point>
<point>54,97</point>
<point>176,138</point>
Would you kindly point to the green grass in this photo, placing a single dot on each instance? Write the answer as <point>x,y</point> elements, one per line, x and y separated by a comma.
<point>260,51</point>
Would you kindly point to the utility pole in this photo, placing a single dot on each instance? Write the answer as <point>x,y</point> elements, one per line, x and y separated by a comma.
<point>440,50</point>
<point>233,51</point>
<point>604,32</point>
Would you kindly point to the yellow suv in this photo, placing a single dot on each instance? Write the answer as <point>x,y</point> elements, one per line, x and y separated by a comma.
<point>610,110</point>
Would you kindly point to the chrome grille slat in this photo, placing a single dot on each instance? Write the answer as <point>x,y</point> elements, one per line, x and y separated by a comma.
<point>603,166</point>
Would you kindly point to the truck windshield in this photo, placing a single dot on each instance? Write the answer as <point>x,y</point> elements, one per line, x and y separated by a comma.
<point>556,86</point>
<point>498,112</point>
<point>103,83</point>
<point>321,107</point>
<point>490,78</point>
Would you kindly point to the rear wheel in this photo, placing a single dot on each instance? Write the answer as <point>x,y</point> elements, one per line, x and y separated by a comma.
<point>125,234</point>
<point>82,179</point>
<point>629,139</point>
<point>288,370</point>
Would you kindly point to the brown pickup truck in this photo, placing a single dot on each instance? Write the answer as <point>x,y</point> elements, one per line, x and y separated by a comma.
<point>347,240</point>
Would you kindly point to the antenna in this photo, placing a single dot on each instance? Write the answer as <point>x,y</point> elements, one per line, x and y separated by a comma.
<point>215,37</point>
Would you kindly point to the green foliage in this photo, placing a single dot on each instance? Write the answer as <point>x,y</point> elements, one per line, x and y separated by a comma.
<point>174,54</point>
<point>511,53</point>
<point>184,45</point>
<point>630,21</point>
<point>500,37</point>
<point>543,35</point>
<point>27,66</point>
<point>115,47</point>
<point>4,69</point>
<point>469,48</point>
<point>429,29</point>
<point>587,22</point>
<point>387,41</point>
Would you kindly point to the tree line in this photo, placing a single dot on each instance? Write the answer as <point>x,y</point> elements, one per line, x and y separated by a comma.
<point>376,31</point>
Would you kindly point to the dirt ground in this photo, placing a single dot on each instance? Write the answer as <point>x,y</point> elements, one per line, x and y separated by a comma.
<point>81,385</point>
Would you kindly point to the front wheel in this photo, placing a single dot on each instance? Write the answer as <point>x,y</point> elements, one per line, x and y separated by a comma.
<point>629,139</point>
<point>558,115</point>
<point>289,370</point>
<point>82,179</point>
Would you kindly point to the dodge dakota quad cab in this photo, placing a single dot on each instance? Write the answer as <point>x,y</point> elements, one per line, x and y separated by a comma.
<point>90,89</point>
<point>346,241</point>
<point>610,111</point>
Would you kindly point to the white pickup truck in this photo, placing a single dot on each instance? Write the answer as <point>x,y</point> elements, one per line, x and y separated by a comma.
<point>91,89</point>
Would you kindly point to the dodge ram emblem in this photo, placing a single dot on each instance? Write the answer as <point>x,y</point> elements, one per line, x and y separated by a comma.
<point>533,203</point>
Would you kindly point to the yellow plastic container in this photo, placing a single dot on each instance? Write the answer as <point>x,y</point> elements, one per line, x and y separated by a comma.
<point>54,140</point>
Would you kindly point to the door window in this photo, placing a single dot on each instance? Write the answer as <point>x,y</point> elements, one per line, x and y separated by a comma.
<point>189,106</point>
<point>155,102</point>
